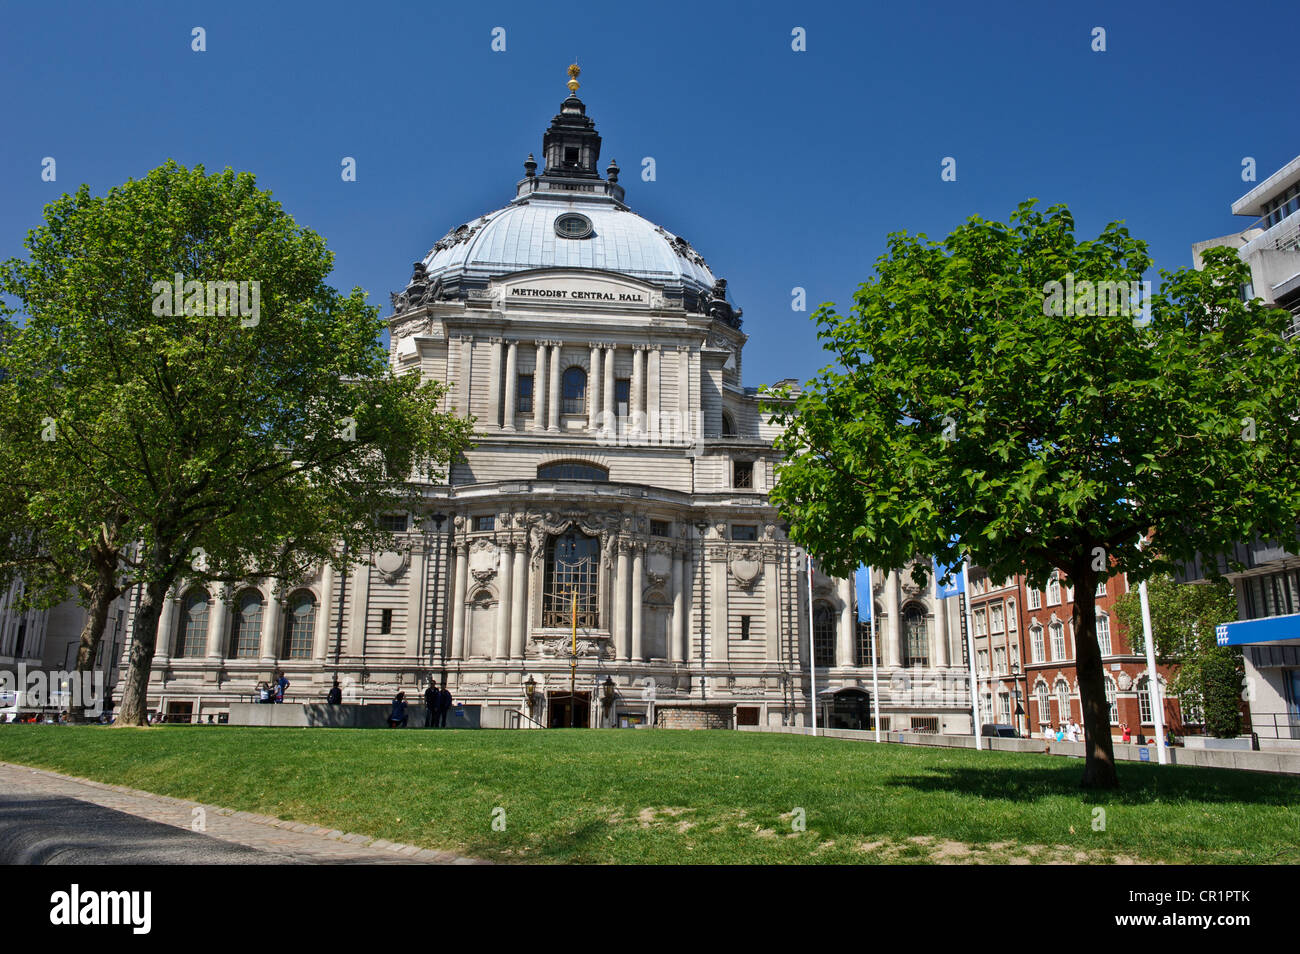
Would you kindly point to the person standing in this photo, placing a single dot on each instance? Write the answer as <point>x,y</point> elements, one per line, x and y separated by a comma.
<point>432,698</point>
<point>444,703</point>
<point>398,716</point>
<point>281,685</point>
<point>335,695</point>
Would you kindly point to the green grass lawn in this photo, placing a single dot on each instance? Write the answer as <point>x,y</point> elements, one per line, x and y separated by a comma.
<point>672,797</point>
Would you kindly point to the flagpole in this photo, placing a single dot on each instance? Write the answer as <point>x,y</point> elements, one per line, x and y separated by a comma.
<point>875,672</point>
<point>970,650</point>
<point>812,650</point>
<point>1153,682</point>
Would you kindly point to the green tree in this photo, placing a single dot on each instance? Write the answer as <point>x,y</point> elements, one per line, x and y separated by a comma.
<point>1183,620</point>
<point>977,410</point>
<point>186,398</point>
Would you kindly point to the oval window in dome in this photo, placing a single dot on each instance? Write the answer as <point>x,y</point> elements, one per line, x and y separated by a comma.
<point>573,226</point>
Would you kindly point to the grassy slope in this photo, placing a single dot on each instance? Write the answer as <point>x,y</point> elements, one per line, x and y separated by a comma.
<point>664,797</point>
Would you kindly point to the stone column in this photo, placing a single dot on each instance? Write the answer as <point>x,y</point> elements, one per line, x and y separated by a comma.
<point>271,624</point>
<point>166,629</point>
<point>889,639</point>
<point>519,601</point>
<point>512,384</point>
<point>940,640</point>
<point>719,625</point>
<point>636,409</point>
<point>844,642</point>
<point>553,401</point>
<point>539,388</point>
<point>458,600</point>
<point>654,412</point>
<point>638,602</point>
<point>217,624</point>
<point>416,577</point>
<point>593,390</point>
<point>619,631</point>
<point>504,593</point>
<point>771,606</point>
<point>677,639</point>
<point>360,609</point>
<point>321,638</point>
<point>608,389</point>
<point>494,383</point>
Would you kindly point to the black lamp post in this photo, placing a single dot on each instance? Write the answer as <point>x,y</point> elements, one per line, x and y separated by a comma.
<point>530,693</point>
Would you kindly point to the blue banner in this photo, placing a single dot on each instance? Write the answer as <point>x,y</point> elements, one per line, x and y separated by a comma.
<point>1270,629</point>
<point>862,585</point>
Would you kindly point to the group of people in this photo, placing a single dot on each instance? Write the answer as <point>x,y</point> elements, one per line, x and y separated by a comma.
<point>437,703</point>
<point>1065,732</point>
<point>272,692</point>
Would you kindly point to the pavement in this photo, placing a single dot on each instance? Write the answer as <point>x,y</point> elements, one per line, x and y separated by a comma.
<point>47,818</point>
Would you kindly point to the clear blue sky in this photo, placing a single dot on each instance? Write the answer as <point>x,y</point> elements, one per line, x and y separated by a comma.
<point>784,169</point>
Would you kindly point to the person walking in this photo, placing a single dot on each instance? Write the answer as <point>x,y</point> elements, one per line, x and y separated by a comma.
<point>431,699</point>
<point>444,704</point>
<point>397,717</point>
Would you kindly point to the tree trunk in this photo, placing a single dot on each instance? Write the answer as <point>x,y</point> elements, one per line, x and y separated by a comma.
<point>144,636</point>
<point>102,595</point>
<point>1099,766</point>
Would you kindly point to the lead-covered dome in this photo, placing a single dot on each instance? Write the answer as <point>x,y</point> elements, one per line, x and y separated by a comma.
<point>569,216</point>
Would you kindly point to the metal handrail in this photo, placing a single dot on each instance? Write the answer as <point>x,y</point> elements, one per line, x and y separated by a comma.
<point>1290,724</point>
<point>514,716</point>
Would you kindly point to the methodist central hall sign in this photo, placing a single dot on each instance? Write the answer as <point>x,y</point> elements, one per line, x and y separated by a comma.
<point>567,290</point>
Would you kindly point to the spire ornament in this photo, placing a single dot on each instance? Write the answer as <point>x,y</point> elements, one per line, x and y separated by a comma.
<point>574,70</point>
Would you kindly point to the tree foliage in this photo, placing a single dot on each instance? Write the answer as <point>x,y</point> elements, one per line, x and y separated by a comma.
<point>967,416</point>
<point>214,445</point>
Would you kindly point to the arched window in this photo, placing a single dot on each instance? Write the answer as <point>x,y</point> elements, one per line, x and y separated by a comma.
<point>1036,642</point>
<point>918,638</point>
<point>194,623</point>
<point>1103,634</point>
<point>572,565</point>
<point>728,425</point>
<point>1063,700</point>
<point>824,623</point>
<point>1044,703</point>
<point>300,625</point>
<point>572,470</point>
<point>246,626</point>
<point>575,391</point>
<point>1058,639</point>
<point>1110,701</point>
<point>1144,702</point>
<point>1054,589</point>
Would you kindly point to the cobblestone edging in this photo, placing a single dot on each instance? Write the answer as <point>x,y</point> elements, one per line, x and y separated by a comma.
<point>299,840</point>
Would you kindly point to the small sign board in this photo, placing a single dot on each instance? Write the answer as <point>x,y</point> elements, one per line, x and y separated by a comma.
<point>1144,754</point>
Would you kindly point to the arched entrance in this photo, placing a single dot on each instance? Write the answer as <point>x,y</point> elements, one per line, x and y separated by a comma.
<point>850,709</point>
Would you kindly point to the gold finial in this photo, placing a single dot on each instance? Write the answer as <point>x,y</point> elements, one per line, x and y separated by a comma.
<point>574,70</point>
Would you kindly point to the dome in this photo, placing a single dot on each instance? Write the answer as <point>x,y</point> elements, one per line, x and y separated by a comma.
<point>523,236</point>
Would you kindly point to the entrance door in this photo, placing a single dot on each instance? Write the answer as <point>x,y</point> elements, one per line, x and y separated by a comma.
<point>179,712</point>
<point>851,709</point>
<point>562,705</point>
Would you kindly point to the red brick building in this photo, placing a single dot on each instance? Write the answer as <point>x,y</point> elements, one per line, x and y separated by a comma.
<point>1024,646</point>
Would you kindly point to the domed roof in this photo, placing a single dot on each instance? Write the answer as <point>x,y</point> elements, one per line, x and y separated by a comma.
<point>523,236</point>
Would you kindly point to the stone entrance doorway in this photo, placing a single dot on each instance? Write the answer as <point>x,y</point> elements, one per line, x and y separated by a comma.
<point>560,704</point>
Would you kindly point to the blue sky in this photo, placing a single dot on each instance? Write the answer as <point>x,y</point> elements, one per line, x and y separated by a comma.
<point>783,168</point>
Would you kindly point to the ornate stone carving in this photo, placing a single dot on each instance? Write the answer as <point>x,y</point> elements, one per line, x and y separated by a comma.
<point>560,646</point>
<point>552,523</point>
<point>1124,681</point>
<point>391,564</point>
<point>483,559</point>
<point>746,565</point>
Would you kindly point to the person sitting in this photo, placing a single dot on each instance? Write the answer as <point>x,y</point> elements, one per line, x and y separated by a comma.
<point>398,716</point>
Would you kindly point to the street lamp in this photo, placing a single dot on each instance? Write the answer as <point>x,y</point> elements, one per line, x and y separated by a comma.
<point>1015,686</point>
<point>530,693</point>
<point>607,694</point>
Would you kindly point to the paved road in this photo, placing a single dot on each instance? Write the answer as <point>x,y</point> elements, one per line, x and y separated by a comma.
<point>48,818</point>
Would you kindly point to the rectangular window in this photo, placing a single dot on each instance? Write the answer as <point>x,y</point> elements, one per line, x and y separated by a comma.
<point>999,661</point>
<point>744,627</point>
<point>393,522</point>
<point>386,622</point>
<point>744,531</point>
<point>1103,635</point>
<point>1004,708</point>
<point>1036,643</point>
<point>982,660</point>
<point>1035,600</point>
<point>995,618</point>
<point>1058,641</point>
<point>524,394</point>
<point>661,528</point>
<point>622,397</point>
<point>483,524</point>
<point>743,475</point>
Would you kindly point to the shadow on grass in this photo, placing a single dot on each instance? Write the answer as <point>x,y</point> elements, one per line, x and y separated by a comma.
<point>1138,785</point>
